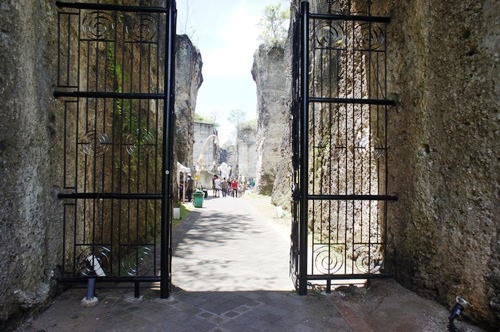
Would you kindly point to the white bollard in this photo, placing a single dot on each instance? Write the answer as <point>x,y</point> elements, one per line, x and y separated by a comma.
<point>177,213</point>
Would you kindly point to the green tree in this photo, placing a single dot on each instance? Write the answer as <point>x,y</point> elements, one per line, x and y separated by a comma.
<point>184,23</point>
<point>252,123</point>
<point>274,26</point>
<point>236,117</point>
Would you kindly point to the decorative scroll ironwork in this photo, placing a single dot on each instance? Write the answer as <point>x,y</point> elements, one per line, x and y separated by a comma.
<point>327,260</point>
<point>115,78</point>
<point>340,140</point>
<point>94,144</point>
<point>369,36</point>
<point>143,140</point>
<point>94,261</point>
<point>97,25</point>
<point>330,34</point>
<point>140,262</point>
<point>368,258</point>
<point>142,27</point>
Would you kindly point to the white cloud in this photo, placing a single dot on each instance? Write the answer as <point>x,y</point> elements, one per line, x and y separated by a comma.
<point>238,41</point>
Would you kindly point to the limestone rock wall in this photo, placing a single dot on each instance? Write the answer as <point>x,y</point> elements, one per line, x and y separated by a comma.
<point>442,70</point>
<point>247,150</point>
<point>444,142</point>
<point>269,73</point>
<point>443,233</point>
<point>205,153</point>
<point>188,79</point>
<point>30,214</point>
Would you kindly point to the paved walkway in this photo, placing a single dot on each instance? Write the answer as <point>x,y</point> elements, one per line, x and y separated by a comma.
<point>231,246</point>
<point>230,273</point>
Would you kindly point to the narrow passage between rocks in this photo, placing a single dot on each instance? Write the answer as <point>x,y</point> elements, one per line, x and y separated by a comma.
<point>231,244</point>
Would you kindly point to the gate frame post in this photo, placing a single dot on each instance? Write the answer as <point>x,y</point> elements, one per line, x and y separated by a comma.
<point>168,136</point>
<point>304,142</point>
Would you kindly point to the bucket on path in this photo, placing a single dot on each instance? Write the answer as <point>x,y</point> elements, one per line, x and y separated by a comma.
<point>198,198</point>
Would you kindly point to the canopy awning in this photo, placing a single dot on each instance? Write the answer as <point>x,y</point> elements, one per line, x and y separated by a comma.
<point>182,169</point>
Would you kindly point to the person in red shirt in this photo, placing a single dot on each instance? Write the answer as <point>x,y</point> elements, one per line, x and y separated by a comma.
<point>234,188</point>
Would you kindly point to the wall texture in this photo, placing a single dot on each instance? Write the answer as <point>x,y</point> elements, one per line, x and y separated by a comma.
<point>30,232</point>
<point>247,150</point>
<point>188,79</point>
<point>269,73</point>
<point>444,143</point>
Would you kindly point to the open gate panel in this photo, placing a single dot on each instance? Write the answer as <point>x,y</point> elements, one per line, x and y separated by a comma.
<point>115,78</point>
<point>340,146</point>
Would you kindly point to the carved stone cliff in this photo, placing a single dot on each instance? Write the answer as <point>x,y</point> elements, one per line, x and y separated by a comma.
<point>269,73</point>
<point>30,214</point>
<point>444,142</point>
<point>188,79</point>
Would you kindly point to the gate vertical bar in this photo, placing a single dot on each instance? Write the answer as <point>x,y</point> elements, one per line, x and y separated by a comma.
<point>168,126</point>
<point>304,142</point>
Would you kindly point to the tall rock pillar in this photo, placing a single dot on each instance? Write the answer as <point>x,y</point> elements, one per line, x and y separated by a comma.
<point>269,74</point>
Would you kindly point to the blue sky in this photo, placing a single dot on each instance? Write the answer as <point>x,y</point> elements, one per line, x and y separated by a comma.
<point>226,33</point>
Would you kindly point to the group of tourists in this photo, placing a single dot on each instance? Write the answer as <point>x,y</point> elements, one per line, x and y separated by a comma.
<point>226,187</point>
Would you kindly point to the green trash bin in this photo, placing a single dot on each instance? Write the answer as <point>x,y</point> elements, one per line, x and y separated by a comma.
<point>198,198</point>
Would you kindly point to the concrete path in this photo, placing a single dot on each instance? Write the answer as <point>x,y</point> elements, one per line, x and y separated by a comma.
<point>231,246</point>
<point>230,273</point>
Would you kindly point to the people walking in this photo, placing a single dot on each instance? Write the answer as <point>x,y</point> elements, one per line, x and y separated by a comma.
<point>189,187</point>
<point>234,188</point>
<point>218,186</point>
<point>214,191</point>
<point>224,187</point>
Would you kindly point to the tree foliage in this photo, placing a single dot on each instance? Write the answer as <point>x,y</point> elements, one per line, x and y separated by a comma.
<point>202,118</point>
<point>274,26</point>
<point>249,124</point>
<point>236,117</point>
<point>184,25</point>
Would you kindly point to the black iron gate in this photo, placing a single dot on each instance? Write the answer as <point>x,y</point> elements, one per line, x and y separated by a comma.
<point>115,77</point>
<point>340,117</point>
